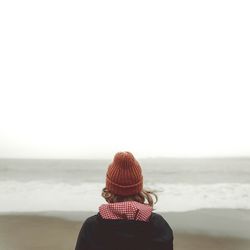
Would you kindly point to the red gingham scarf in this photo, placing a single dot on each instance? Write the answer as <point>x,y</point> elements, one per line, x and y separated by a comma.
<point>127,210</point>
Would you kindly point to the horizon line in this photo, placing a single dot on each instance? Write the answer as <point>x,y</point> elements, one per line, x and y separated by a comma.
<point>139,158</point>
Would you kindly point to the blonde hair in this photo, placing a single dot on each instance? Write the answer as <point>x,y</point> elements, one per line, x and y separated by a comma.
<point>142,197</point>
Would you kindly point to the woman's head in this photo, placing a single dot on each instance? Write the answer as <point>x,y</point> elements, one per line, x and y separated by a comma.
<point>124,181</point>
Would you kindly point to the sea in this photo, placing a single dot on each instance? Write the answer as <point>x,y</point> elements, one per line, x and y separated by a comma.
<point>30,185</point>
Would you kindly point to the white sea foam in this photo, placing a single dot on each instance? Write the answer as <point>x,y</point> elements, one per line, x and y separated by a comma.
<point>45,196</point>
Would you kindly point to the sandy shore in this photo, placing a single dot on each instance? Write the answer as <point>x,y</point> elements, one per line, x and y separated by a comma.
<point>196,230</point>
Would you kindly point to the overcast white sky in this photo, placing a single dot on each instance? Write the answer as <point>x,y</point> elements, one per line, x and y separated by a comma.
<point>158,78</point>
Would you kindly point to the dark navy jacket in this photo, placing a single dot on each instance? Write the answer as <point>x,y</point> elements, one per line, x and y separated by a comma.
<point>106,234</point>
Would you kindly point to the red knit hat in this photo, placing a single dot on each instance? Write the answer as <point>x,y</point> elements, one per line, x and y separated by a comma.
<point>124,175</point>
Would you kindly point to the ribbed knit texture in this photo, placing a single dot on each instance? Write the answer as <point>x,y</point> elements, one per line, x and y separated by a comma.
<point>124,175</point>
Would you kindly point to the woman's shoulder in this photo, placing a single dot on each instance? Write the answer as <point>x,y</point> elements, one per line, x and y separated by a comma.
<point>157,217</point>
<point>160,224</point>
<point>91,218</point>
<point>90,221</point>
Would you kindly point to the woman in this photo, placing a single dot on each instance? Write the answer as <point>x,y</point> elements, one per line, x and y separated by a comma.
<point>126,221</point>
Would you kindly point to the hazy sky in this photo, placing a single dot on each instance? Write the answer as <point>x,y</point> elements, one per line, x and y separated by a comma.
<point>158,78</point>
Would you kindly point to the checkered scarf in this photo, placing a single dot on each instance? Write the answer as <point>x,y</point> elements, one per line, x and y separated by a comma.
<point>127,210</point>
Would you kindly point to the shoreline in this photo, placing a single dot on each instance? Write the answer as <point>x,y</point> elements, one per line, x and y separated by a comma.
<point>214,222</point>
<point>222,229</point>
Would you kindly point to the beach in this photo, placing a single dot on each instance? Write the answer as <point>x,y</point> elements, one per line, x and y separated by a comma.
<point>222,229</point>
<point>45,202</point>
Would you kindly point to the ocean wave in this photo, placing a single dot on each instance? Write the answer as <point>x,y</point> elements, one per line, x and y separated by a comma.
<point>47,196</point>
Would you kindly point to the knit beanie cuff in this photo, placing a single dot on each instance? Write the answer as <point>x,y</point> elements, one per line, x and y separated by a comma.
<point>124,190</point>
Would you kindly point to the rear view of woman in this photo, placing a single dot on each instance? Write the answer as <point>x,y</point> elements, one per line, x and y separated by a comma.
<point>126,221</point>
